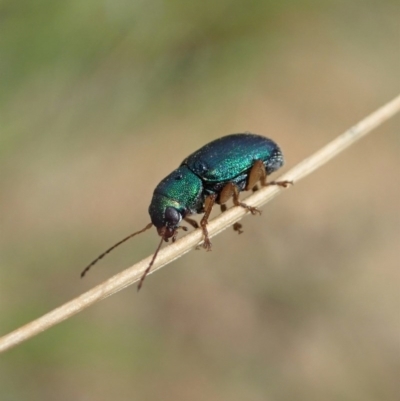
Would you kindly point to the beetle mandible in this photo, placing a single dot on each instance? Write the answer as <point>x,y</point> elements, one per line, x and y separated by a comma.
<point>215,173</point>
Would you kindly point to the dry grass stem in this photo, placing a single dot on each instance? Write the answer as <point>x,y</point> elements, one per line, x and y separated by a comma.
<point>190,241</point>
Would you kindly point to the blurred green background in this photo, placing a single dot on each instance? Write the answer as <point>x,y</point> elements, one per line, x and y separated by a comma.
<point>100,100</point>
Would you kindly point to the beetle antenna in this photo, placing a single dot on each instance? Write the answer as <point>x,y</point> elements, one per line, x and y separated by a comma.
<point>87,268</point>
<point>146,272</point>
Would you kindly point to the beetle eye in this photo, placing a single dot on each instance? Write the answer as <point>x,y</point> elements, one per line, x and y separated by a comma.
<point>178,177</point>
<point>172,217</point>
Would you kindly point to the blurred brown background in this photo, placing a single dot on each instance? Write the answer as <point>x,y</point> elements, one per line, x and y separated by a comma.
<point>100,100</point>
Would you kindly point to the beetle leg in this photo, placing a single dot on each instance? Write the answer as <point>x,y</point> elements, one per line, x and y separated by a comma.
<point>208,205</point>
<point>192,222</point>
<point>230,190</point>
<point>174,236</point>
<point>176,232</point>
<point>258,173</point>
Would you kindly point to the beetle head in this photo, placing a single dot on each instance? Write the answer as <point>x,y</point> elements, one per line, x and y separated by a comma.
<point>165,215</point>
<point>172,218</point>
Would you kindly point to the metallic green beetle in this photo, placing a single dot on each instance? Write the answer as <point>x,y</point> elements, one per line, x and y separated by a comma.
<point>213,174</point>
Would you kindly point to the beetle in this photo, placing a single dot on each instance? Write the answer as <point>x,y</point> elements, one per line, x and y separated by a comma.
<point>215,173</point>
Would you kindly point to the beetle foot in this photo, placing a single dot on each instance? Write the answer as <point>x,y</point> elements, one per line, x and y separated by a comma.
<point>253,210</point>
<point>238,228</point>
<point>283,184</point>
<point>207,244</point>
